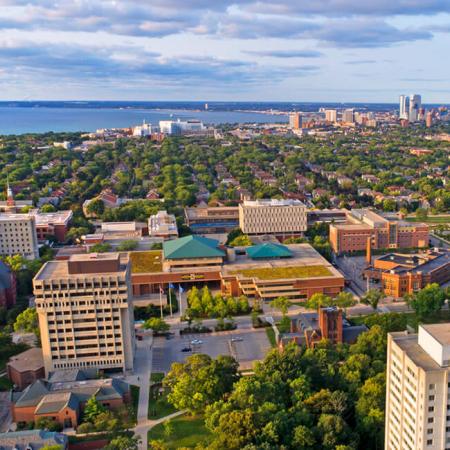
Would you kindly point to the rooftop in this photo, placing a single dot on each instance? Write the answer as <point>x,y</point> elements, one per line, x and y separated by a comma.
<point>190,247</point>
<point>30,359</point>
<point>145,262</point>
<point>440,332</point>
<point>268,250</point>
<point>272,202</point>
<point>54,218</point>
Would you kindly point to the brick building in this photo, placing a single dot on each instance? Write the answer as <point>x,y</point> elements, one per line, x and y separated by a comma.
<point>26,368</point>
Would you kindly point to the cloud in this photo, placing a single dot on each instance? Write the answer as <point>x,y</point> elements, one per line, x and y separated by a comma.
<point>360,61</point>
<point>285,53</point>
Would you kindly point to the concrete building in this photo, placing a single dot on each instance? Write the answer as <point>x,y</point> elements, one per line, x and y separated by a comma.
<point>52,225</point>
<point>263,271</point>
<point>383,232</point>
<point>295,120</point>
<point>415,104</point>
<point>178,127</point>
<point>18,235</point>
<point>418,389</point>
<point>404,107</point>
<point>85,314</point>
<point>163,225</point>
<point>331,115</point>
<point>205,219</point>
<point>142,130</point>
<point>282,218</point>
<point>348,116</point>
<point>33,439</point>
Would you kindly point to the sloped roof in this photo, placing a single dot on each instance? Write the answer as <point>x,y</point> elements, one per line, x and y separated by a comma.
<point>33,394</point>
<point>268,250</point>
<point>55,402</point>
<point>192,247</point>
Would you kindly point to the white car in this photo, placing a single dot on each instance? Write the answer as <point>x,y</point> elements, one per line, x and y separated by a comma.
<point>196,342</point>
<point>237,339</point>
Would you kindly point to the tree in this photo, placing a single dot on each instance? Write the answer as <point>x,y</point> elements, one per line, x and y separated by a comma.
<point>47,423</point>
<point>52,447</point>
<point>96,207</point>
<point>372,298</point>
<point>157,325</point>
<point>344,300</point>
<point>168,428</point>
<point>200,381</point>
<point>241,241</point>
<point>303,438</point>
<point>427,301</point>
<point>281,303</point>
<point>389,205</point>
<point>124,443</point>
<point>127,246</point>
<point>48,208</point>
<point>92,409</point>
<point>27,321</point>
<point>104,247</point>
<point>421,213</point>
<point>158,444</point>
<point>318,300</point>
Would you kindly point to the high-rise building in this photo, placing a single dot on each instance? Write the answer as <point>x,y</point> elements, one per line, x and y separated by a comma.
<point>278,217</point>
<point>295,120</point>
<point>429,119</point>
<point>331,115</point>
<point>18,235</point>
<point>415,103</point>
<point>348,116</point>
<point>404,107</point>
<point>418,389</point>
<point>85,314</point>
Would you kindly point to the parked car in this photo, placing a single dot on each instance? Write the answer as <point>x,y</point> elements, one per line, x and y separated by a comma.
<point>186,349</point>
<point>196,342</point>
<point>236,339</point>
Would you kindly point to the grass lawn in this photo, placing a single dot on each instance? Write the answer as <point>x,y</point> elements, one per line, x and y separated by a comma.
<point>430,219</point>
<point>187,432</point>
<point>146,262</point>
<point>158,406</point>
<point>5,384</point>
<point>274,273</point>
<point>271,336</point>
<point>135,400</point>
<point>156,377</point>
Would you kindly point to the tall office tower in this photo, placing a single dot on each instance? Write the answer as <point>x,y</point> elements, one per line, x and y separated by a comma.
<point>415,103</point>
<point>348,116</point>
<point>18,235</point>
<point>331,115</point>
<point>404,107</point>
<point>429,119</point>
<point>295,120</point>
<point>418,389</point>
<point>85,313</point>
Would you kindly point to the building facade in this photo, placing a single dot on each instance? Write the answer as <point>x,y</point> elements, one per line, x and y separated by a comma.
<point>418,389</point>
<point>221,219</point>
<point>163,225</point>
<point>364,224</point>
<point>85,313</point>
<point>18,235</point>
<point>282,218</point>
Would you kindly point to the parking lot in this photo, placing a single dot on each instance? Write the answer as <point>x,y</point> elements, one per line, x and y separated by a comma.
<point>245,345</point>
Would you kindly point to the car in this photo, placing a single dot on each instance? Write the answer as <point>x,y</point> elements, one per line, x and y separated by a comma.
<point>186,349</point>
<point>196,342</point>
<point>236,339</point>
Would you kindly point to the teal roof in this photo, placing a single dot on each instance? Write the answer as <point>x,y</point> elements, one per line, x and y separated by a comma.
<point>192,247</point>
<point>268,250</point>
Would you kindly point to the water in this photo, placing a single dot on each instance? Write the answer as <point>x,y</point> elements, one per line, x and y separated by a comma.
<point>19,120</point>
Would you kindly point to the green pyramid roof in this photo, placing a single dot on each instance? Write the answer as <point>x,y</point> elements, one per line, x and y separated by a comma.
<point>268,250</point>
<point>192,247</point>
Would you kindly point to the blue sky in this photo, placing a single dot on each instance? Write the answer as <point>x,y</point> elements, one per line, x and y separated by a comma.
<point>286,50</point>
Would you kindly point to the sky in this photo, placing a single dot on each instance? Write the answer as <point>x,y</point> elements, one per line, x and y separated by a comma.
<point>213,50</point>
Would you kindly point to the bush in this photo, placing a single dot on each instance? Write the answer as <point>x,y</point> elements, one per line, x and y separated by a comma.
<point>225,326</point>
<point>195,329</point>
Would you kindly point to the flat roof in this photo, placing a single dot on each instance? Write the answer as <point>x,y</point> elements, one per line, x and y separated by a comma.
<point>30,359</point>
<point>202,212</point>
<point>433,264</point>
<point>351,226</point>
<point>272,202</point>
<point>60,269</point>
<point>13,216</point>
<point>55,218</point>
<point>440,332</point>
<point>410,345</point>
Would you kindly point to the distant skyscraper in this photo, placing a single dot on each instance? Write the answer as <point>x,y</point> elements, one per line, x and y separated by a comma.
<point>415,103</point>
<point>295,120</point>
<point>429,119</point>
<point>404,101</point>
<point>348,116</point>
<point>331,115</point>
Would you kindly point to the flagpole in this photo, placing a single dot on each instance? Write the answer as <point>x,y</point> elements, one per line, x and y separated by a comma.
<point>160,301</point>
<point>170,300</point>
<point>180,306</point>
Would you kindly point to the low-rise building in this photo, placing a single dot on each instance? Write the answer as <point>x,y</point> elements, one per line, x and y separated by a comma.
<point>163,225</point>
<point>33,439</point>
<point>283,218</point>
<point>382,232</point>
<point>205,219</point>
<point>26,368</point>
<point>52,225</point>
<point>64,401</point>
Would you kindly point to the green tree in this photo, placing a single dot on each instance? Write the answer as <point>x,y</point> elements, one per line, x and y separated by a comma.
<point>104,247</point>
<point>427,301</point>
<point>303,438</point>
<point>200,381</point>
<point>127,246</point>
<point>318,300</point>
<point>422,213</point>
<point>124,443</point>
<point>281,303</point>
<point>47,423</point>
<point>52,447</point>
<point>168,428</point>
<point>92,409</point>
<point>96,207</point>
<point>48,208</point>
<point>389,205</point>
<point>241,241</point>
<point>344,300</point>
<point>157,325</point>
<point>372,298</point>
<point>27,321</point>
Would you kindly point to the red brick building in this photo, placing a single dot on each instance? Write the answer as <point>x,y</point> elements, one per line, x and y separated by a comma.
<point>26,368</point>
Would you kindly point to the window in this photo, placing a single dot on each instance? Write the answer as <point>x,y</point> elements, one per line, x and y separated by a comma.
<point>431,409</point>
<point>431,398</point>
<point>430,442</point>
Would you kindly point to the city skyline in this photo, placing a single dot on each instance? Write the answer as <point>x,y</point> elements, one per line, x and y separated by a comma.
<point>241,50</point>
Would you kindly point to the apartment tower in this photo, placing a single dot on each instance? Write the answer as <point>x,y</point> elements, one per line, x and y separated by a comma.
<point>418,389</point>
<point>85,313</point>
